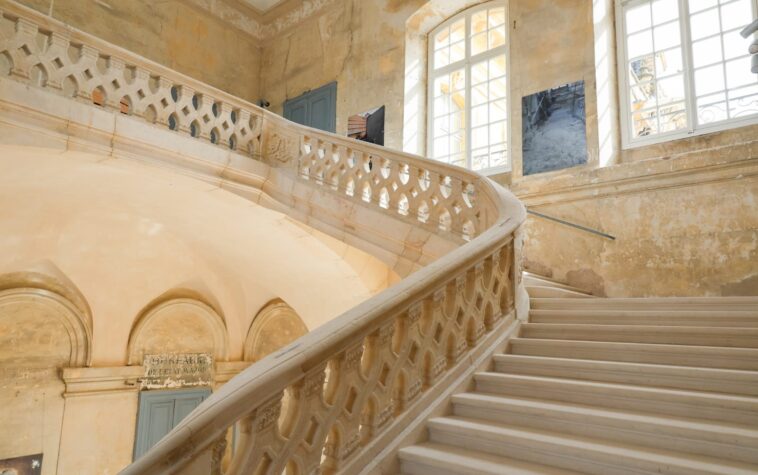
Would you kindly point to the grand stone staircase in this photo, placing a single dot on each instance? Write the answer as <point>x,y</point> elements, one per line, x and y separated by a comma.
<point>608,386</point>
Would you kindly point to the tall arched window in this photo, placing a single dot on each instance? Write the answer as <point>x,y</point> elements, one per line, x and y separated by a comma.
<point>468,103</point>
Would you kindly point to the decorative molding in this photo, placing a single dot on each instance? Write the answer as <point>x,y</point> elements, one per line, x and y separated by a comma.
<point>100,381</point>
<point>126,379</point>
<point>649,175</point>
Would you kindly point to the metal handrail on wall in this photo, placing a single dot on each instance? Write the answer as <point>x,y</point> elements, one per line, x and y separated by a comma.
<point>573,225</point>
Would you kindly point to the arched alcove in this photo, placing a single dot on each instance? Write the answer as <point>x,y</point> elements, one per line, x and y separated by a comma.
<point>44,327</point>
<point>178,325</point>
<point>276,325</point>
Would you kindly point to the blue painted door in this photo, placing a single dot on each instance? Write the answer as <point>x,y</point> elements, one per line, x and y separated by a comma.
<point>317,108</point>
<point>161,411</point>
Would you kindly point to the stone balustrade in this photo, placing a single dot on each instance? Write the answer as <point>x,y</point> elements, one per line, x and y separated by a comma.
<point>328,401</point>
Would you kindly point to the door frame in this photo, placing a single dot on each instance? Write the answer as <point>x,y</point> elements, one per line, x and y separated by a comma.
<point>143,415</point>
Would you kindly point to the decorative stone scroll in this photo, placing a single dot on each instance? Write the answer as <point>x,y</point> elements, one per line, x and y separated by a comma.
<point>170,371</point>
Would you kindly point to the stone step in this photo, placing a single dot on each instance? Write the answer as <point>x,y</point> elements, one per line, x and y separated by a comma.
<point>675,434</point>
<point>723,304</point>
<point>541,291</point>
<point>677,355</point>
<point>670,335</point>
<point>534,279</point>
<point>677,377</point>
<point>438,459</point>
<point>723,408</point>
<point>707,318</point>
<point>580,454</point>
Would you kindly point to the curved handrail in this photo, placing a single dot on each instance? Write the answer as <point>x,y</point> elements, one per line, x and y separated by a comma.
<point>345,381</point>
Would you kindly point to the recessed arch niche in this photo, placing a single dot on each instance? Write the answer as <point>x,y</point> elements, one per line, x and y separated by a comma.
<point>178,325</point>
<point>44,326</point>
<point>275,326</point>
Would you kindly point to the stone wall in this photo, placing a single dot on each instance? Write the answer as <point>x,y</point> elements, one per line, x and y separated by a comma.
<point>676,235</point>
<point>172,33</point>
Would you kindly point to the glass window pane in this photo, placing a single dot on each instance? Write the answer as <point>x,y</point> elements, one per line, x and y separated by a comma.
<point>480,159</point>
<point>642,69</point>
<point>498,132</point>
<point>698,5</point>
<point>479,137</point>
<point>643,96</point>
<point>497,66</point>
<point>709,80</point>
<point>705,52</point>
<point>672,122</point>
<point>670,90</point>
<point>665,10</point>
<point>498,89</point>
<point>479,22</point>
<point>711,109</point>
<point>497,17</point>
<point>498,111</point>
<point>441,147</point>
<point>704,24</point>
<point>735,45</point>
<point>638,18</point>
<point>498,156</point>
<point>442,85</point>
<point>738,73</point>
<point>479,44</point>
<point>457,143</point>
<point>644,123</point>
<point>458,79</point>
<point>479,73</point>
<point>441,126</point>
<point>479,116</point>
<point>640,44</point>
<point>667,36</point>
<point>479,95</point>
<point>441,106</point>
<point>669,62</point>
<point>497,37</point>
<point>736,15</point>
<point>457,52</point>
<point>442,58</point>
<point>457,122</point>
<point>458,31</point>
<point>743,102</point>
<point>442,39</point>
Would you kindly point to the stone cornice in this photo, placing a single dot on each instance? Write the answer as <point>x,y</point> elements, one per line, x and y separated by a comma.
<point>126,379</point>
<point>648,175</point>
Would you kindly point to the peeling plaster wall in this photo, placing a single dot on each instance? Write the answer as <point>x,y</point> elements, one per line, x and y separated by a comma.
<point>359,44</point>
<point>676,236</point>
<point>172,33</point>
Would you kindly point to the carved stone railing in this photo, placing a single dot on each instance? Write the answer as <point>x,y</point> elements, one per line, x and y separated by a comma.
<point>42,52</point>
<point>328,401</point>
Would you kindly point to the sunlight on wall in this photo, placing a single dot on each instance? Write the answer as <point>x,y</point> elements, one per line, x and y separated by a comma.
<point>605,76</point>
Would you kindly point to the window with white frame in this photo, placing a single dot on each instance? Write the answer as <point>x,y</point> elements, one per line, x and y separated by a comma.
<point>468,103</point>
<point>684,68</point>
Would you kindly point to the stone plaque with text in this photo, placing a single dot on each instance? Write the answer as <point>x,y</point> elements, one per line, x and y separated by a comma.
<point>177,370</point>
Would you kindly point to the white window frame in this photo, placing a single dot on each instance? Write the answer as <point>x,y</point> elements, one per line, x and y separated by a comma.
<point>466,63</point>
<point>692,129</point>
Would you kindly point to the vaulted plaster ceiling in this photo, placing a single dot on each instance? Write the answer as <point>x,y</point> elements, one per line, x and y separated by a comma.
<point>263,5</point>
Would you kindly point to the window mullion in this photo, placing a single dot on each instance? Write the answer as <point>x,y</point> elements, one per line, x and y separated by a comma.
<point>467,110</point>
<point>690,99</point>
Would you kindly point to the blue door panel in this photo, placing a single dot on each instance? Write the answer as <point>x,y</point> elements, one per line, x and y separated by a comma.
<point>161,411</point>
<point>317,108</point>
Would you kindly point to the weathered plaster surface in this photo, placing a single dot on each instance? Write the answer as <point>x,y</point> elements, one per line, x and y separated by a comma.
<point>361,44</point>
<point>173,33</point>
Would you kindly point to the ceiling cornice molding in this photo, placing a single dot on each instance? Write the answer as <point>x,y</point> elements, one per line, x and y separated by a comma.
<point>261,26</point>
